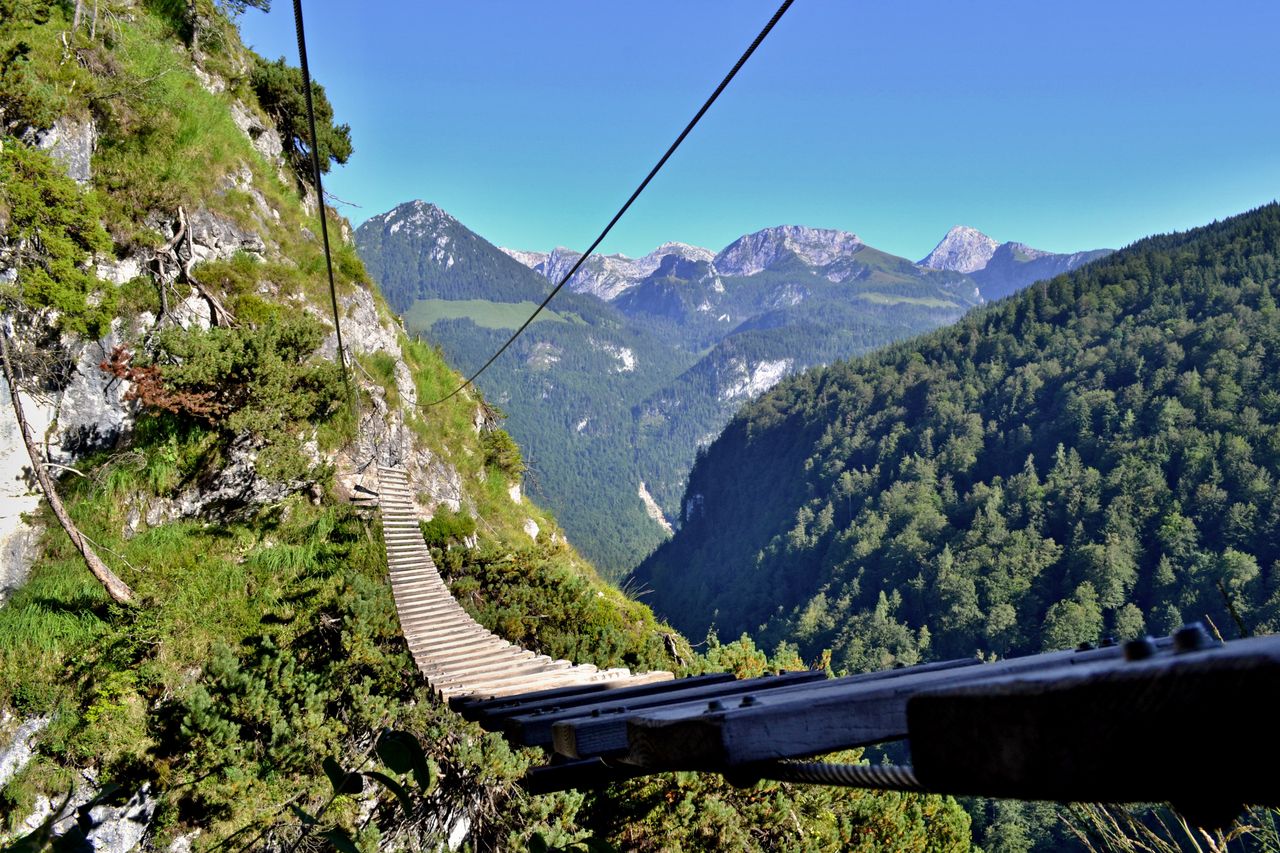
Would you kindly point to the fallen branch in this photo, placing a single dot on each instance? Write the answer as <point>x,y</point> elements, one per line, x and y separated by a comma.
<point>116,588</point>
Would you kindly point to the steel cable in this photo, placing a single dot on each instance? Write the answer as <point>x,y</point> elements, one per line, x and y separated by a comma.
<point>879,777</point>
<point>742,60</point>
<point>315,171</point>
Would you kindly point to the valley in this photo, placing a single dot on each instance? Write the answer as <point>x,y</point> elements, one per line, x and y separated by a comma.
<point>660,351</point>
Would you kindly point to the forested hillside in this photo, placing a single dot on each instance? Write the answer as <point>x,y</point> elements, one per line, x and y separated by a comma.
<point>166,325</point>
<point>1095,455</point>
<point>611,399</point>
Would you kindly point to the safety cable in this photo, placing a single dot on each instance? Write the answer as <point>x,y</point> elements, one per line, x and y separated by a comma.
<point>652,172</point>
<point>315,171</point>
<point>877,777</point>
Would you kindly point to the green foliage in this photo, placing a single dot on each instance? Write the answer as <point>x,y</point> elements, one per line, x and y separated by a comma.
<point>280,92</point>
<point>542,597</point>
<point>36,83</point>
<point>49,231</point>
<point>257,382</point>
<point>1095,455</point>
<point>165,140</point>
<point>501,452</point>
<point>686,811</point>
<point>261,380</point>
<point>447,528</point>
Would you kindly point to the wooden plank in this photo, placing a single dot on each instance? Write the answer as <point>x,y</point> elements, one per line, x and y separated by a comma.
<point>487,668</point>
<point>552,679</point>
<point>552,674</point>
<point>490,712</point>
<point>509,672</point>
<point>793,722</point>
<point>450,639</point>
<point>426,646</point>
<point>813,719</point>
<point>1114,730</point>
<point>600,729</point>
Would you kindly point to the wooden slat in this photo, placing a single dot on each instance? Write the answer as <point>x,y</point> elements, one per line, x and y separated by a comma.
<point>492,712</point>
<point>788,723</point>
<point>457,655</point>
<point>600,730</point>
<point>1113,730</point>
<point>810,720</point>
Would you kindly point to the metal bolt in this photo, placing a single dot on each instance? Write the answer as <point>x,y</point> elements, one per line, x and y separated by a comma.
<point>1085,646</point>
<point>715,705</point>
<point>1191,637</point>
<point>1139,649</point>
<point>748,701</point>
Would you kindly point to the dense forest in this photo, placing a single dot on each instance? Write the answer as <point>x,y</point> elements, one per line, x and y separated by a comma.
<point>1097,455</point>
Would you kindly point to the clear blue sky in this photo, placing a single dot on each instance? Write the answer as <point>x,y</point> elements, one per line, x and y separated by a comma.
<point>1064,125</point>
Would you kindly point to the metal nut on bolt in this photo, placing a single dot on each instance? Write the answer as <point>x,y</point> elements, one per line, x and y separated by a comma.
<point>1139,649</point>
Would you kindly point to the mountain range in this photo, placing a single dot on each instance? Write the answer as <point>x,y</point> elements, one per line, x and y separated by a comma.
<point>641,361</point>
<point>1093,456</point>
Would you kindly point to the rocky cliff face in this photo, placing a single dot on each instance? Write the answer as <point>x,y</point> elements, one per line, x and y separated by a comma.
<point>1001,268</point>
<point>815,247</point>
<point>606,276</point>
<point>963,249</point>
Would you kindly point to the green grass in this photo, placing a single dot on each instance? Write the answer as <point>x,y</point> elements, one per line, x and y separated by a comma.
<point>486,314</point>
<point>877,298</point>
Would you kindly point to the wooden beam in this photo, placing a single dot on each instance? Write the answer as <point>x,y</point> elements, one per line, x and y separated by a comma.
<point>1195,727</point>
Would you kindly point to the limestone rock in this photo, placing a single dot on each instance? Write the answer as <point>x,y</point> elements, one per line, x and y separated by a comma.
<point>71,142</point>
<point>265,138</point>
<point>816,247</point>
<point>963,249</point>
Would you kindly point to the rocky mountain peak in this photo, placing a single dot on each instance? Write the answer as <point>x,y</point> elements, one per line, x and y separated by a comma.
<point>964,249</point>
<point>419,216</point>
<point>683,250</point>
<point>532,260</point>
<point>1023,252</point>
<point>606,276</point>
<point>817,247</point>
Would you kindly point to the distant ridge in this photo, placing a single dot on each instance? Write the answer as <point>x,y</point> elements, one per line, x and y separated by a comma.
<point>1001,268</point>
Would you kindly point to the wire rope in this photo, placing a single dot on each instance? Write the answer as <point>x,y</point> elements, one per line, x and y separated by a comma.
<point>742,60</point>
<point>315,173</point>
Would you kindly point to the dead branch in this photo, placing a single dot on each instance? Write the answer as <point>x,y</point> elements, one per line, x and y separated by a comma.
<point>116,588</point>
<point>168,266</point>
<point>218,312</point>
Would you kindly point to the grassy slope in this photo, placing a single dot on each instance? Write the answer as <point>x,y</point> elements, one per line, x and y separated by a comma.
<point>482,312</point>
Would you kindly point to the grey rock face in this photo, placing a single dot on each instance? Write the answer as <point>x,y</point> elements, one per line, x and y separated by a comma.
<point>91,411</point>
<point>264,137</point>
<point>529,259</point>
<point>963,249</point>
<point>417,217</point>
<point>753,253</point>
<point>18,738</point>
<point>18,540</point>
<point>1001,268</point>
<point>216,238</point>
<point>112,829</point>
<point>119,829</point>
<point>606,276</point>
<point>71,143</point>
<point>363,330</point>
